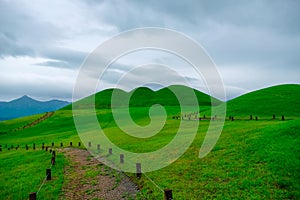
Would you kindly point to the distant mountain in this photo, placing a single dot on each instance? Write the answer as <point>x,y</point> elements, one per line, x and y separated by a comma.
<point>25,106</point>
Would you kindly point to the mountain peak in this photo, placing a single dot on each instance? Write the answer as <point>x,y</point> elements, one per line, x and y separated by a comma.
<point>24,98</point>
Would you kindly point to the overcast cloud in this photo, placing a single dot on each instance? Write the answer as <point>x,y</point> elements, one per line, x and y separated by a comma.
<point>43,43</point>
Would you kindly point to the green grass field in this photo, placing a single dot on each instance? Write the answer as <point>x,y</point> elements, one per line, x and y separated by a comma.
<point>251,160</point>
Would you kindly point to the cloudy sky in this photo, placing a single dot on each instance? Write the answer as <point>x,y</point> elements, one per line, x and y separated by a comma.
<point>254,44</point>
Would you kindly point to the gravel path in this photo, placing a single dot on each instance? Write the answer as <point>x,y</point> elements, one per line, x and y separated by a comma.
<point>87,178</point>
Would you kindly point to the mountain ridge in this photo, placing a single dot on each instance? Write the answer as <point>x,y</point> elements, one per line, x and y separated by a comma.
<point>25,106</point>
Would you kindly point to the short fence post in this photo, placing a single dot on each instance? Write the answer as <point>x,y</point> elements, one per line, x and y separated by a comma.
<point>32,196</point>
<point>110,151</point>
<point>70,143</point>
<point>282,118</point>
<point>273,116</point>
<point>79,144</point>
<point>0,149</point>
<point>46,148</point>
<point>232,118</point>
<point>138,170</point>
<point>168,194</point>
<point>33,146</point>
<point>90,144</point>
<point>43,147</point>
<point>26,147</point>
<point>52,144</point>
<point>50,151</point>
<point>53,158</point>
<point>121,158</point>
<point>256,118</point>
<point>48,174</point>
<point>250,117</point>
<point>61,144</point>
<point>98,147</point>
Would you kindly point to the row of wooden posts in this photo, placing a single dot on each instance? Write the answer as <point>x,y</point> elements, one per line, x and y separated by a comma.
<point>32,196</point>
<point>256,118</point>
<point>231,118</point>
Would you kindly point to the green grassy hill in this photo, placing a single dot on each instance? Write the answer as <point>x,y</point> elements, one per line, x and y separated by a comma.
<point>277,100</point>
<point>251,160</point>
<point>145,97</point>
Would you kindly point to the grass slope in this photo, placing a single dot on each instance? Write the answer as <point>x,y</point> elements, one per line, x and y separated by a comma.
<point>145,97</point>
<point>278,100</point>
<point>252,159</point>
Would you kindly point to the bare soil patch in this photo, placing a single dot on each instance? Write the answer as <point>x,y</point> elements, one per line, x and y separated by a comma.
<point>87,178</point>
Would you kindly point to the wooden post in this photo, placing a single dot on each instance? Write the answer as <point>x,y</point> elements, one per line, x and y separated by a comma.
<point>110,151</point>
<point>251,117</point>
<point>70,143</point>
<point>232,118</point>
<point>79,144</point>
<point>43,147</point>
<point>168,194</point>
<point>32,196</point>
<point>52,160</point>
<point>121,158</point>
<point>53,153</point>
<point>273,116</point>
<point>256,118</point>
<point>33,146</point>
<point>26,147</point>
<point>61,144</point>
<point>52,144</point>
<point>98,147</point>
<point>0,149</point>
<point>50,151</point>
<point>90,144</point>
<point>46,148</point>
<point>48,174</point>
<point>138,170</point>
<point>282,118</point>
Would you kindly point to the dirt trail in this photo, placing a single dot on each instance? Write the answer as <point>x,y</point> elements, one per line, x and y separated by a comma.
<point>87,178</point>
<point>35,122</point>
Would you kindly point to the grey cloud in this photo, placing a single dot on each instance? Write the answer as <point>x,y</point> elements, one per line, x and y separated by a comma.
<point>11,47</point>
<point>22,34</point>
<point>254,43</point>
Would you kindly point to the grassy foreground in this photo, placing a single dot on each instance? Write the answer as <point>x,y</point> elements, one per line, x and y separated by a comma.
<point>252,159</point>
